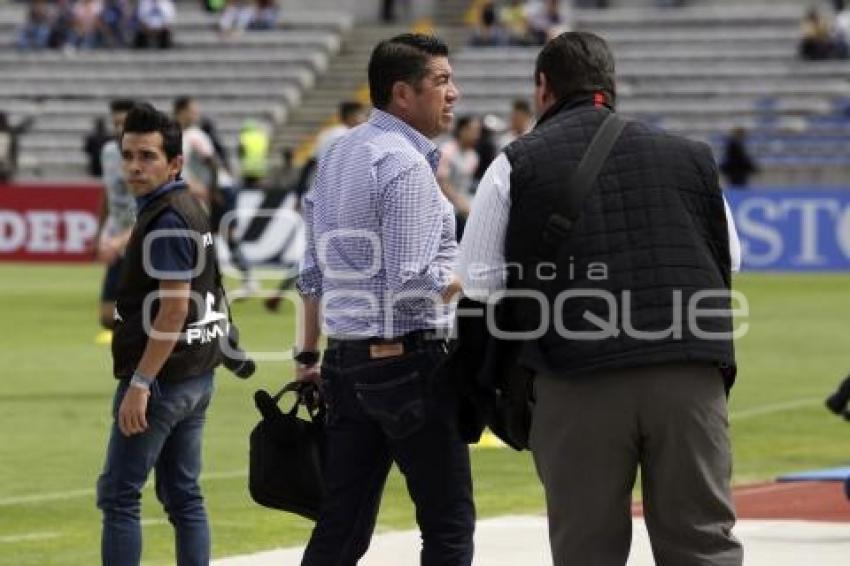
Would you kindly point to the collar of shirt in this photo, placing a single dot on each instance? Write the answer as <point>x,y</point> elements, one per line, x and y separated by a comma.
<point>144,200</point>
<point>390,123</point>
<point>567,104</point>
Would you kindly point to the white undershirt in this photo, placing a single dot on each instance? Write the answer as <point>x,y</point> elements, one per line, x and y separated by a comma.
<point>481,263</point>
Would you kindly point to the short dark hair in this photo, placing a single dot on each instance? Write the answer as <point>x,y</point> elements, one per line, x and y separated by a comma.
<point>181,103</point>
<point>121,105</point>
<point>577,62</point>
<point>349,108</point>
<point>521,105</point>
<point>402,58</point>
<point>145,119</point>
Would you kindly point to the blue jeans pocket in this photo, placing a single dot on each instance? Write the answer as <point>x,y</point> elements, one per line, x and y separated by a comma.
<point>397,404</point>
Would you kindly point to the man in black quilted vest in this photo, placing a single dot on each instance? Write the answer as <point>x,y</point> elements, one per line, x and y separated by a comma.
<point>168,323</point>
<point>631,369</point>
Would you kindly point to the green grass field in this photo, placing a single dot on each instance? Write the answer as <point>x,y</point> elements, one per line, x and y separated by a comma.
<point>56,389</point>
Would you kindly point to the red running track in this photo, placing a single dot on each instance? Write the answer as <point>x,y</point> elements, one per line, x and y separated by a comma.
<point>808,501</point>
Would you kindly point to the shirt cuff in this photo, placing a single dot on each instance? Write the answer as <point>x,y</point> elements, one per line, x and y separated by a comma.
<point>309,282</point>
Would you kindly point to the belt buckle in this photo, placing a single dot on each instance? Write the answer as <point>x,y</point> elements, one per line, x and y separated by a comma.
<point>391,350</point>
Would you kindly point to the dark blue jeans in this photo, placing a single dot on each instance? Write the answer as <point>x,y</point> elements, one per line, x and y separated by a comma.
<point>172,444</point>
<point>380,412</point>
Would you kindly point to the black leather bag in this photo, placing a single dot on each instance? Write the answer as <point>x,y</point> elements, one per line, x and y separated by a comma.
<point>498,388</point>
<point>285,470</point>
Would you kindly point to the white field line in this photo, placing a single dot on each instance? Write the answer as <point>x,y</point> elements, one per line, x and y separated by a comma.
<point>28,537</point>
<point>773,408</point>
<point>75,493</point>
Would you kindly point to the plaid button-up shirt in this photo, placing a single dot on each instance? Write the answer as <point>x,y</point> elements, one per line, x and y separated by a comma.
<point>380,234</point>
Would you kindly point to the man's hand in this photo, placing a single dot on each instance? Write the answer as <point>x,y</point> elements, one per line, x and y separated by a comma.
<point>307,373</point>
<point>454,287</point>
<point>131,413</point>
<point>107,250</point>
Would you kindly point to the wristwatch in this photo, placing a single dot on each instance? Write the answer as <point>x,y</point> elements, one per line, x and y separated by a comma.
<point>306,357</point>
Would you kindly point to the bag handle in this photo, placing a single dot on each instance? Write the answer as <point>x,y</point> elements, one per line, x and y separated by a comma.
<point>307,395</point>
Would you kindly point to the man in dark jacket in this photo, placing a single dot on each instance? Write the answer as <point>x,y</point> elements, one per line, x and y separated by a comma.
<point>631,368</point>
<point>168,323</point>
<point>737,165</point>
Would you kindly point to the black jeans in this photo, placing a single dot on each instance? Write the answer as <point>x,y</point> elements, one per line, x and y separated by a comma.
<point>384,411</point>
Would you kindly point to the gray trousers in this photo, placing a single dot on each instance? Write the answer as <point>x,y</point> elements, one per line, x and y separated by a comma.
<point>590,433</point>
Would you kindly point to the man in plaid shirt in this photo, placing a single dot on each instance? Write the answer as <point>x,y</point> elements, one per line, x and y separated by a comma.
<point>376,277</point>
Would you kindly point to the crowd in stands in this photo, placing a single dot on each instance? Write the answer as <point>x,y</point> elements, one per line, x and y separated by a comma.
<point>823,38</point>
<point>91,24</point>
<point>241,15</point>
<point>518,22</point>
<point>531,22</point>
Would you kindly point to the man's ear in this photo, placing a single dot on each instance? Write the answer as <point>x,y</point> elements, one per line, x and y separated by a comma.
<point>401,95</point>
<point>545,91</point>
<point>175,166</point>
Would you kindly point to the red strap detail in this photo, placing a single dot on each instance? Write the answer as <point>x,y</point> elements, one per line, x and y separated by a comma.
<point>598,99</point>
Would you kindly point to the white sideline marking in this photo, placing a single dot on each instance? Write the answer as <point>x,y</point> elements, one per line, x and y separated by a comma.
<point>56,496</point>
<point>28,536</point>
<point>75,493</point>
<point>774,408</point>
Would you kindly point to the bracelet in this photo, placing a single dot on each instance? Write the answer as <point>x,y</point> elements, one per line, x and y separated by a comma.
<point>306,358</point>
<point>140,381</point>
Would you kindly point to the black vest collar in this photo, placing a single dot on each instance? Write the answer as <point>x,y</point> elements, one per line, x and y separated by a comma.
<point>567,104</point>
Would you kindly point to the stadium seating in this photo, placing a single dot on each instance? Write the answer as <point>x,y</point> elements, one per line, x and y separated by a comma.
<point>701,71</point>
<point>256,75</point>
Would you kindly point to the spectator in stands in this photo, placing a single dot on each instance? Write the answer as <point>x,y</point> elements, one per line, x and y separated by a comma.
<point>116,23</point>
<point>816,43</point>
<point>737,165</point>
<point>155,19</point>
<point>545,21</point>
<point>9,137</point>
<point>235,18</point>
<point>521,122</point>
<point>458,163</point>
<point>95,140</point>
<point>85,24</point>
<point>265,17</point>
<point>62,26</point>
<point>213,6</point>
<point>514,18</point>
<point>592,3</point>
<point>389,14</point>
<point>842,33</point>
<point>488,33</point>
<point>35,33</point>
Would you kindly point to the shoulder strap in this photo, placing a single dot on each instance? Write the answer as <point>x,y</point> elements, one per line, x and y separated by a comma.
<point>567,210</point>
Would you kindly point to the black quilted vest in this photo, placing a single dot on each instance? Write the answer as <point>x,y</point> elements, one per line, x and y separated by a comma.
<point>651,235</point>
<point>197,352</point>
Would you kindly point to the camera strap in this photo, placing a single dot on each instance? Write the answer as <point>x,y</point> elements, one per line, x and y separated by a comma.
<point>220,284</point>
